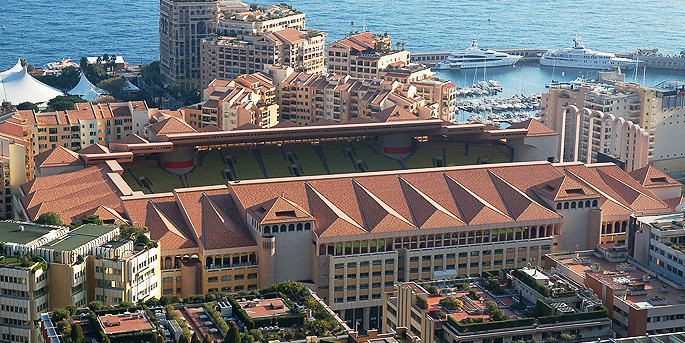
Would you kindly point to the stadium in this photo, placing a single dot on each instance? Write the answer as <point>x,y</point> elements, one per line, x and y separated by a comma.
<point>175,156</point>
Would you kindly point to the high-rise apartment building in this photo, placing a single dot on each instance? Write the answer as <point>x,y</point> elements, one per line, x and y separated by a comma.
<point>364,55</point>
<point>182,26</point>
<point>251,41</point>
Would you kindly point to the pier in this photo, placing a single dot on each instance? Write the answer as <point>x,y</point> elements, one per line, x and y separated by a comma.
<point>673,62</point>
<point>529,54</point>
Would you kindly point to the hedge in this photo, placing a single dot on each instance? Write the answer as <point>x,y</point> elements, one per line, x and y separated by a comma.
<point>216,315</point>
<point>284,321</point>
<point>603,313</point>
<point>173,314</point>
<point>528,280</point>
<point>95,325</point>
<point>116,310</point>
<point>543,308</point>
<point>565,294</point>
<point>494,273</point>
<point>490,325</point>
<point>136,337</point>
<point>240,313</point>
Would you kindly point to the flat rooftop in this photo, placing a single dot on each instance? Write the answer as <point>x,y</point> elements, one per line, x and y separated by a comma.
<point>121,323</point>
<point>477,305</point>
<point>614,278</point>
<point>660,218</point>
<point>201,323</point>
<point>11,232</point>
<point>78,237</point>
<point>265,308</point>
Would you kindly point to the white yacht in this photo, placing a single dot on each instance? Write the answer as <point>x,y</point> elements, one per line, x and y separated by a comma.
<point>581,57</point>
<point>475,57</point>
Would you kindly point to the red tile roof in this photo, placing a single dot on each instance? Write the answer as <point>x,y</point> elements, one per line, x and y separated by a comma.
<point>58,157</point>
<point>651,177</point>
<point>394,113</point>
<point>73,194</point>
<point>171,125</point>
<point>535,128</point>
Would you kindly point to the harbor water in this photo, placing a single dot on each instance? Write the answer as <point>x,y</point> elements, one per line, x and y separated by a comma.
<point>45,31</point>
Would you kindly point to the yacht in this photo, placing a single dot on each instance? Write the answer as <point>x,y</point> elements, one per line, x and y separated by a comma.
<point>475,57</point>
<point>581,57</point>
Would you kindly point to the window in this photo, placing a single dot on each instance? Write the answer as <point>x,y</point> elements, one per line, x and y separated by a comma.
<point>252,276</point>
<point>225,278</point>
<point>213,279</point>
<point>240,277</point>
<point>167,280</point>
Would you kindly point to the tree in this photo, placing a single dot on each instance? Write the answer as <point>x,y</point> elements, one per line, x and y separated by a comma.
<point>105,339</point>
<point>105,99</point>
<point>126,304</point>
<point>49,218</point>
<point>207,339</point>
<point>76,333</point>
<point>287,287</point>
<point>421,302</point>
<point>473,295</point>
<point>95,305</point>
<point>92,219</point>
<point>432,290</point>
<point>195,338</point>
<point>498,315</point>
<point>64,102</point>
<point>29,67</point>
<point>113,86</point>
<point>159,339</point>
<point>233,335</point>
<point>451,303</point>
<point>72,309</point>
<point>491,306</point>
<point>60,314</point>
<point>6,107</point>
<point>257,335</point>
<point>254,6</point>
<point>27,106</point>
<point>183,339</point>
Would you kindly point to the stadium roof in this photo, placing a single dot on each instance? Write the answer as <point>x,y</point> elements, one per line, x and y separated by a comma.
<point>17,86</point>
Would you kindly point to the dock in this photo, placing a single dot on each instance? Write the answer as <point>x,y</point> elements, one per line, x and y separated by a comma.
<point>673,62</point>
<point>529,54</point>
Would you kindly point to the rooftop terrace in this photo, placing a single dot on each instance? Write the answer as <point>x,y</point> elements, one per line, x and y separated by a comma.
<point>11,232</point>
<point>125,322</point>
<point>641,291</point>
<point>265,308</point>
<point>78,237</point>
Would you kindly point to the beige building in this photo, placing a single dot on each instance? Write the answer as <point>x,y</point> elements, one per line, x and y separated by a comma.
<point>17,168</point>
<point>250,42</point>
<point>591,136</point>
<point>247,99</point>
<point>182,26</point>
<point>69,267</point>
<point>426,325</point>
<point>364,55</point>
<point>76,129</point>
<point>657,111</point>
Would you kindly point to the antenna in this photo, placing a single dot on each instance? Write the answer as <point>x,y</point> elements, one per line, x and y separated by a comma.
<point>364,25</point>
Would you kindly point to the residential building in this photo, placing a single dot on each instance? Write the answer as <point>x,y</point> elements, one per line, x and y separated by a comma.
<point>656,110</point>
<point>442,92</point>
<point>305,98</point>
<point>591,136</point>
<point>228,57</point>
<point>641,300</point>
<point>47,267</point>
<point>85,125</point>
<point>658,240</point>
<point>247,99</point>
<point>250,42</point>
<point>17,168</point>
<point>437,324</point>
<point>24,284</point>
<point>182,26</point>
<point>667,123</point>
<point>364,55</point>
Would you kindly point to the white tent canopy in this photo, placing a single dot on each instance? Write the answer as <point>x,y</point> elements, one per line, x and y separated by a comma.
<point>17,86</point>
<point>86,90</point>
<point>130,87</point>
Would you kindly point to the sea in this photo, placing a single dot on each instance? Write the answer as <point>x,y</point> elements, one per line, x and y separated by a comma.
<point>43,31</point>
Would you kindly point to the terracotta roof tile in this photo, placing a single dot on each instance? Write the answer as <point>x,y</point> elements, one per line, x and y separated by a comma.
<point>132,139</point>
<point>58,157</point>
<point>171,125</point>
<point>94,149</point>
<point>651,177</point>
<point>394,113</point>
<point>535,128</point>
